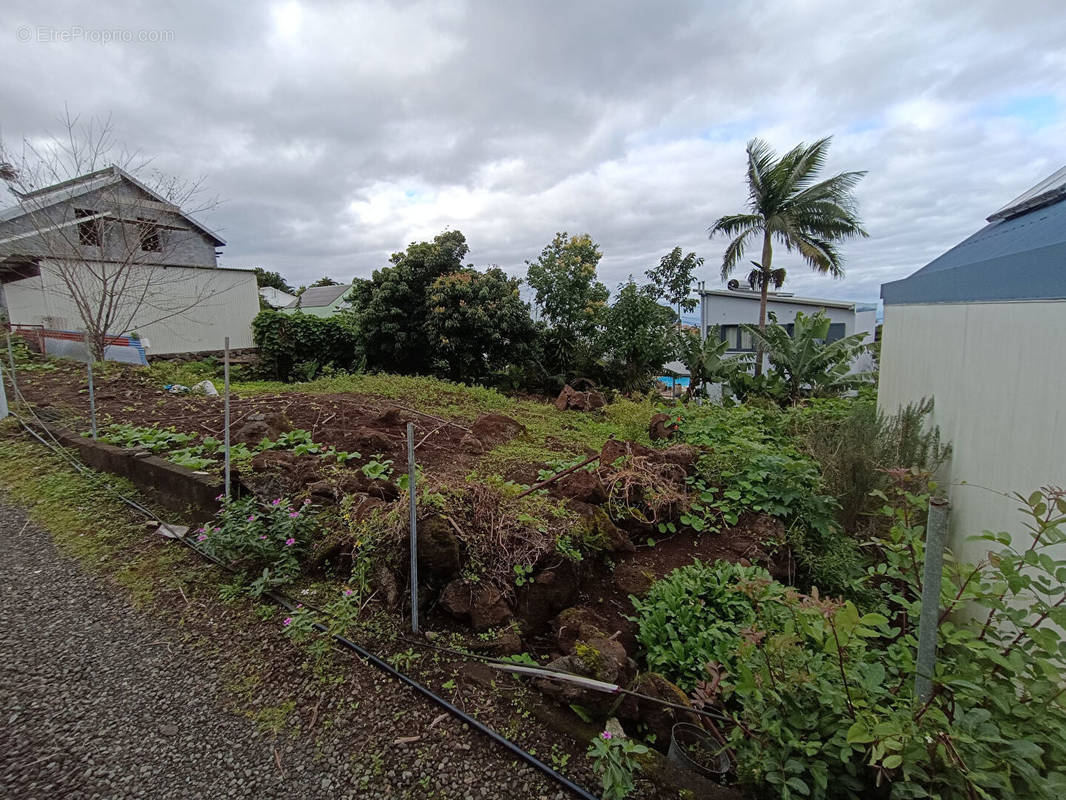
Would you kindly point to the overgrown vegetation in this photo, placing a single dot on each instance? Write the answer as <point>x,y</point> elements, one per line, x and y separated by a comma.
<point>820,693</point>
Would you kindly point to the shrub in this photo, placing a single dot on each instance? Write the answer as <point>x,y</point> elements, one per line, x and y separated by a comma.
<point>854,444</point>
<point>263,538</point>
<point>825,694</point>
<point>752,466</point>
<point>300,346</point>
<point>695,616</point>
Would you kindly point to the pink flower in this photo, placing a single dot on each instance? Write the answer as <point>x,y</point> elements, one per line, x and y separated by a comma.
<point>307,501</point>
<point>606,735</point>
<point>263,536</point>
<point>348,592</point>
<point>294,514</point>
<point>221,497</point>
<point>251,517</point>
<point>287,621</point>
<point>201,537</point>
<point>290,542</point>
<point>199,530</point>
<point>276,502</point>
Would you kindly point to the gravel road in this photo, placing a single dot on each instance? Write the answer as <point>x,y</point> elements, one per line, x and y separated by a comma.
<point>100,701</point>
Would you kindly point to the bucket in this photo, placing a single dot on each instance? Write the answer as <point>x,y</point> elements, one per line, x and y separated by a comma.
<point>694,749</point>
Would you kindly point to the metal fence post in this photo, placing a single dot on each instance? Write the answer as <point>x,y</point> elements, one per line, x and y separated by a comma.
<point>936,529</point>
<point>414,524</point>
<point>11,360</point>
<point>3,395</point>
<point>225,404</point>
<point>92,388</point>
<point>92,396</point>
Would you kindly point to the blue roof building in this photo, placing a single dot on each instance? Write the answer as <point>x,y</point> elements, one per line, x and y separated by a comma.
<point>1019,255</point>
<point>982,331</point>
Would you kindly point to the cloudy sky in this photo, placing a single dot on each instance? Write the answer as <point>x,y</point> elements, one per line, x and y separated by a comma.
<point>336,133</point>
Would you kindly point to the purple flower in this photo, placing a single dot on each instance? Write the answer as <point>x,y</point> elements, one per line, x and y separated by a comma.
<point>290,542</point>
<point>276,502</point>
<point>294,514</point>
<point>251,517</point>
<point>200,530</point>
<point>201,537</point>
<point>287,621</point>
<point>263,536</point>
<point>606,735</point>
<point>348,592</point>
<point>221,497</point>
<point>307,501</point>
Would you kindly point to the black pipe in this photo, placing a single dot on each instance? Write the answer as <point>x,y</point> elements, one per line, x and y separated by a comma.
<point>366,655</point>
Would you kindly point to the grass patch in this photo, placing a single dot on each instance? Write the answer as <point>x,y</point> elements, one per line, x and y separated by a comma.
<point>86,522</point>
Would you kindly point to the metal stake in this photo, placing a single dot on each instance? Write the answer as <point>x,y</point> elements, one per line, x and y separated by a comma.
<point>92,395</point>
<point>225,404</point>
<point>414,524</point>
<point>936,528</point>
<point>11,359</point>
<point>3,395</point>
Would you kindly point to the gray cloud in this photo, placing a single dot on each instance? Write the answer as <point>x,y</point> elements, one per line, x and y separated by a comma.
<point>337,133</point>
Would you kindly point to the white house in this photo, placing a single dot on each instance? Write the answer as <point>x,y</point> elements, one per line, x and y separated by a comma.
<point>981,330</point>
<point>738,305</point>
<point>275,298</point>
<point>105,240</point>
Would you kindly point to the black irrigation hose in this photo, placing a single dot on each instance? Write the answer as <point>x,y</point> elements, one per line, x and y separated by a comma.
<point>366,655</point>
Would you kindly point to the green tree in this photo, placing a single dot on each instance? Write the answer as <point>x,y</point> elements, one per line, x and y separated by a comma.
<point>477,324</point>
<point>564,279</point>
<point>273,279</point>
<point>324,281</point>
<point>787,206</point>
<point>673,279</point>
<point>390,307</point>
<point>808,364</point>
<point>705,359</point>
<point>637,337</point>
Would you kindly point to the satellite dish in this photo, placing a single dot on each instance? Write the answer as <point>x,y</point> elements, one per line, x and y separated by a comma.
<point>733,285</point>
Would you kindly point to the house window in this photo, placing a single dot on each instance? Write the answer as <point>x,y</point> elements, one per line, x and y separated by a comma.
<point>150,236</point>
<point>90,232</point>
<point>737,337</point>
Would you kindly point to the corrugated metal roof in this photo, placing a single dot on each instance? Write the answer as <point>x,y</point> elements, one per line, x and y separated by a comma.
<point>319,296</point>
<point>1020,257</point>
<point>83,184</point>
<point>1050,190</point>
<point>780,298</point>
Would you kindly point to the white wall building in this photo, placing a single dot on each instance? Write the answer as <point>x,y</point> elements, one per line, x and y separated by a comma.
<point>982,330</point>
<point>121,245</point>
<point>731,308</point>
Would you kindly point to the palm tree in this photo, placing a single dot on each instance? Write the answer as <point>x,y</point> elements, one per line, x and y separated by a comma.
<point>786,205</point>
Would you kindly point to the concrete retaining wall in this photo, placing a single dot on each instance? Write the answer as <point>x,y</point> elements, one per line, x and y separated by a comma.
<point>176,488</point>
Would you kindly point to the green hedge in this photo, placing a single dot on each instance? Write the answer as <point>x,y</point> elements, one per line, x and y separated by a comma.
<point>299,346</point>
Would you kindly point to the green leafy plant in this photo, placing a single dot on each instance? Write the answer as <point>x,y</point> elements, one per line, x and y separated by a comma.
<point>263,538</point>
<point>822,693</point>
<point>523,574</point>
<point>806,361</point>
<point>614,759</point>
<point>378,468</point>
<point>695,616</point>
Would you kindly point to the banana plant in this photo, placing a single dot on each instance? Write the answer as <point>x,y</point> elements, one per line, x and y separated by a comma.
<point>810,365</point>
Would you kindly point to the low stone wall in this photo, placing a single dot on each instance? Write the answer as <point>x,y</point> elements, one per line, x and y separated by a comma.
<point>177,488</point>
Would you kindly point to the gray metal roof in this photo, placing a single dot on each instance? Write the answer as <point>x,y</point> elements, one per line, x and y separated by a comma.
<point>1019,256</point>
<point>319,296</point>
<point>773,297</point>
<point>83,184</point>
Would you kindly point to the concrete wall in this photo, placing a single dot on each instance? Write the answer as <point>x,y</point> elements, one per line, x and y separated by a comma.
<point>224,303</point>
<point>997,373</point>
